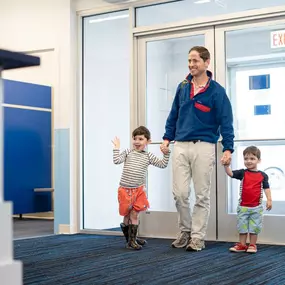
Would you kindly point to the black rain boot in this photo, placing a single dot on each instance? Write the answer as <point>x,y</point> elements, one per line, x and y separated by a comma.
<point>141,241</point>
<point>132,244</point>
<point>125,230</point>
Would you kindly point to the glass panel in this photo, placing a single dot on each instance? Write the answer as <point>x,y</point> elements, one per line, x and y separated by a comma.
<point>106,113</point>
<point>188,9</point>
<point>167,66</point>
<point>270,164</point>
<point>254,73</point>
<point>159,185</point>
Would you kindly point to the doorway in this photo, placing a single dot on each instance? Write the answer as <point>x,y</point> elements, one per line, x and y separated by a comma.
<point>245,61</point>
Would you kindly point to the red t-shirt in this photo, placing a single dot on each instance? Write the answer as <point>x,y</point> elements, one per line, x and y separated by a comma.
<point>251,187</point>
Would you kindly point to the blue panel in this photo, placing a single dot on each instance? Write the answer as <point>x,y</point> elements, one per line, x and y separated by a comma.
<point>61,178</point>
<point>27,159</point>
<point>258,82</point>
<point>262,110</point>
<point>27,94</point>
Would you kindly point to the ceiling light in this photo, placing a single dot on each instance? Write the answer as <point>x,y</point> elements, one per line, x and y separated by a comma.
<point>202,1</point>
<point>108,19</point>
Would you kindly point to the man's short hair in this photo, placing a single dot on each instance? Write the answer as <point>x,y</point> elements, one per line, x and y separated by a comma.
<point>203,52</point>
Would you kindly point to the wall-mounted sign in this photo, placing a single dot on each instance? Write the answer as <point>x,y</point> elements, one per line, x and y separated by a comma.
<point>277,39</point>
<point>262,110</point>
<point>257,82</point>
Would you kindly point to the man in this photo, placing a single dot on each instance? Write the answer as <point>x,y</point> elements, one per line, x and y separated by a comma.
<point>200,112</point>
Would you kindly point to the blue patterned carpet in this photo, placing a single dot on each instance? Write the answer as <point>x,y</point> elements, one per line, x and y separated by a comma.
<point>89,259</point>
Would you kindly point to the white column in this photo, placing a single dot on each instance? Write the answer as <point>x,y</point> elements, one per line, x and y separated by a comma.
<point>10,269</point>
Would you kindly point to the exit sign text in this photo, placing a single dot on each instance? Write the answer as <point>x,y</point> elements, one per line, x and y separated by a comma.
<point>278,39</point>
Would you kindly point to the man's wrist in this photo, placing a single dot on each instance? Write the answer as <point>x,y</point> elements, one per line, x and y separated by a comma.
<point>166,142</point>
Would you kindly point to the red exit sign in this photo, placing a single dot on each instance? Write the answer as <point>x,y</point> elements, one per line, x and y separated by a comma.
<point>277,39</point>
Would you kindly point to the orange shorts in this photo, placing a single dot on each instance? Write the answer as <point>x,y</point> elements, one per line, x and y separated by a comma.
<point>132,199</point>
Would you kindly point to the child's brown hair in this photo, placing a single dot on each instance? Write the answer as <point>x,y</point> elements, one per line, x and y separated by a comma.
<point>252,150</point>
<point>141,131</point>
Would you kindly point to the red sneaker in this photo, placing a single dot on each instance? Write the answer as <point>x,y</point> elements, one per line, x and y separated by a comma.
<point>252,248</point>
<point>238,247</point>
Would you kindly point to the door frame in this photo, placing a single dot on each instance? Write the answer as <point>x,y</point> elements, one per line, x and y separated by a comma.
<point>226,222</point>
<point>167,221</point>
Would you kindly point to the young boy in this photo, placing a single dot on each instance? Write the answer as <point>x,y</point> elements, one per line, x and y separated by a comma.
<point>131,193</point>
<point>250,209</point>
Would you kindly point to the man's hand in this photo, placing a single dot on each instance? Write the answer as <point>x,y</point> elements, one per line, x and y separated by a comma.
<point>226,158</point>
<point>164,147</point>
<point>116,143</point>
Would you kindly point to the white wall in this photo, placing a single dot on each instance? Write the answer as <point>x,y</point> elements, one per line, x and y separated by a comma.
<point>47,28</point>
<point>91,4</point>
<point>85,5</point>
<point>42,28</point>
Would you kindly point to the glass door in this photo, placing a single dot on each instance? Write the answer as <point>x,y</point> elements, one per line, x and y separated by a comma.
<point>162,65</point>
<point>251,64</point>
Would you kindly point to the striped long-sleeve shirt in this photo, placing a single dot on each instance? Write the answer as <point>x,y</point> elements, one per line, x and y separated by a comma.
<point>136,164</point>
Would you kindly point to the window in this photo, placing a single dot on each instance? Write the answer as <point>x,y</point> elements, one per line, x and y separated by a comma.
<point>185,10</point>
<point>106,113</point>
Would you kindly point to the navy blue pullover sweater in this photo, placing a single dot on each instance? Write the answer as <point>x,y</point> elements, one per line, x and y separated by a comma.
<point>203,117</point>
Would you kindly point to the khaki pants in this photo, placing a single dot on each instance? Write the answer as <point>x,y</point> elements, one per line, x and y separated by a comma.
<point>193,161</point>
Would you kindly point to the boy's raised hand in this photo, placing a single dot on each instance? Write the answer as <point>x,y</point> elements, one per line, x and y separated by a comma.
<point>116,143</point>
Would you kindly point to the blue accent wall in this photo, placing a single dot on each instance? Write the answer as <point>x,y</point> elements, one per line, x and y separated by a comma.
<point>62,178</point>
<point>27,159</point>
<point>27,146</point>
<point>27,94</point>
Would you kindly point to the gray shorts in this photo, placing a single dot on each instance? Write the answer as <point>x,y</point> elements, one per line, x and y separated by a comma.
<point>249,220</point>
